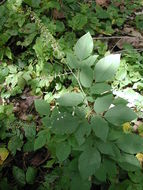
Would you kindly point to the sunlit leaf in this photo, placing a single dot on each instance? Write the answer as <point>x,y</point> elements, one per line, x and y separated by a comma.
<point>84,46</point>
<point>106,68</point>
<point>86,76</point>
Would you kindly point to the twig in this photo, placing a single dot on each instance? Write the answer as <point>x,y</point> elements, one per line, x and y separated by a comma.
<point>115,45</point>
<point>140,50</point>
<point>113,37</point>
<point>2,2</point>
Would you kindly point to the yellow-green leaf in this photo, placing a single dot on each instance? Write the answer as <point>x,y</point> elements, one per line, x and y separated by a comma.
<point>3,155</point>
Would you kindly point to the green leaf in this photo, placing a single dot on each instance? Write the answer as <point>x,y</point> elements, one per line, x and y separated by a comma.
<point>114,134</point>
<point>49,163</point>
<point>129,162</point>
<point>33,3</point>
<point>30,131</point>
<point>42,139</point>
<point>101,173</point>
<point>15,143</point>
<point>100,127</point>
<point>31,175</point>
<point>102,13</point>
<point>77,23</point>
<point>64,124</point>
<point>105,148</point>
<point>72,61</point>
<point>101,104</point>
<point>100,88</point>
<point>8,52</point>
<point>46,121</point>
<point>119,115</point>
<point>42,107</point>
<point>4,185</point>
<point>70,99</point>
<point>110,167</point>
<point>83,131</point>
<point>119,101</point>
<point>125,185</point>
<point>86,76</point>
<point>28,28</point>
<point>106,68</point>
<point>28,146</point>
<point>107,167</point>
<point>1,109</point>
<point>63,150</point>
<point>90,60</point>
<point>19,175</point>
<point>89,161</point>
<point>84,47</point>
<point>130,143</point>
<point>78,183</point>
<point>39,142</point>
<point>136,177</point>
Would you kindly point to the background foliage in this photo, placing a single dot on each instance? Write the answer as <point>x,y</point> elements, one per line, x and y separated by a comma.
<point>41,72</point>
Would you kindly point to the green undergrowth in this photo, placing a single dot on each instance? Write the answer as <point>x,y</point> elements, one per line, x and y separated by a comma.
<point>61,127</point>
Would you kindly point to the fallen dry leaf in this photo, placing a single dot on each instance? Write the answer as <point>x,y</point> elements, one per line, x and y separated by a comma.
<point>134,41</point>
<point>118,4</point>
<point>132,37</point>
<point>39,158</point>
<point>102,2</point>
<point>132,32</point>
<point>57,14</point>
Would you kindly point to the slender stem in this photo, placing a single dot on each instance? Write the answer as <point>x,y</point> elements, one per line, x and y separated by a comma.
<point>77,81</point>
<point>83,93</point>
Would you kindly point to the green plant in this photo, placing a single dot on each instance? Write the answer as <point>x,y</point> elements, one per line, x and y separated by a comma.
<point>35,36</point>
<point>86,137</point>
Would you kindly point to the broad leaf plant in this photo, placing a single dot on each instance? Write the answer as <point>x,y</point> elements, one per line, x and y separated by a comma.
<point>83,131</point>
